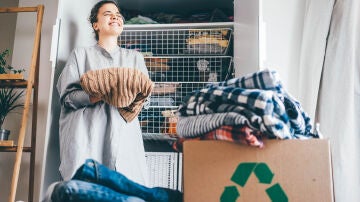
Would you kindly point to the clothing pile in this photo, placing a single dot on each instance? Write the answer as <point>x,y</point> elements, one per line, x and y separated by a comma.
<point>244,109</point>
<point>97,183</point>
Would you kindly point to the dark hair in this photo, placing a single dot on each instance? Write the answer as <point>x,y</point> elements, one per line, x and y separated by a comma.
<point>94,12</point>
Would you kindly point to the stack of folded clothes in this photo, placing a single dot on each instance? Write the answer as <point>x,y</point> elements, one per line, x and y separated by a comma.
<point>244,109</point>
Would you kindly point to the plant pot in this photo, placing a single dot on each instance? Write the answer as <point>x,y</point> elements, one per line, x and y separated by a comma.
<point>4,134</point>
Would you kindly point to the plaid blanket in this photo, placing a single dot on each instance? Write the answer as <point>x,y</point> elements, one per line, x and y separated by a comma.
<point>240,134</point>
<point>270,80</point>
<point>219,99</point>
<point>265,80</point>
<point>256,95</point>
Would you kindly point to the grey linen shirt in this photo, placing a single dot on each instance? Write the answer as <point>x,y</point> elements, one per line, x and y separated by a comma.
<point>98,131</point>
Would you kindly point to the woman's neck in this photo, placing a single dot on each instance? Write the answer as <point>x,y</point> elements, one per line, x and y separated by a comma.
<point>109,43</point>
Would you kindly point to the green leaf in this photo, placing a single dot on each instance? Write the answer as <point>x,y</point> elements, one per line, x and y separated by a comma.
<point>4,68</point>
<point>9,101</point>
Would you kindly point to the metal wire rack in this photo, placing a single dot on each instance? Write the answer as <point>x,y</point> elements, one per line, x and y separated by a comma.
<point>189,68</point>
<point>180,60</point>
<point>160,118</point>
<point>175,78</point>
<point>165,169</point>
<point>159,42</point>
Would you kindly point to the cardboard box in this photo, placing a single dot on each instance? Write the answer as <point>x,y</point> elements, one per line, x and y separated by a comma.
<point>285,170</point>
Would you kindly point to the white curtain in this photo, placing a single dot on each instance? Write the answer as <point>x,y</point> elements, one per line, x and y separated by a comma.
<point>330,85</point>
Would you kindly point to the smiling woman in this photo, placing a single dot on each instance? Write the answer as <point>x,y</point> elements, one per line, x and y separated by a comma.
<point>106,20</point>
<point>91,127</point>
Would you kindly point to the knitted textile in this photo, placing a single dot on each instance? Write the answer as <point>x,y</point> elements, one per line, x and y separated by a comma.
<point>124,88</point>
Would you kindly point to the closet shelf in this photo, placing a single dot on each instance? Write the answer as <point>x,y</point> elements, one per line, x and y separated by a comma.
<point>13,84</point>
<point>180,58</point>
<point>178,41</point>
<point>14,149</point>
<point>180,25</point>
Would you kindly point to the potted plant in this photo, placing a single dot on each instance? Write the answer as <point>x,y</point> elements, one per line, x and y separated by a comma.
<point>9,101</point>
<point>7,71</point>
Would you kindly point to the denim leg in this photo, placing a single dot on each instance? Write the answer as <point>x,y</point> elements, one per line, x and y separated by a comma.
<point>81,191</point>
<point>95,172</point>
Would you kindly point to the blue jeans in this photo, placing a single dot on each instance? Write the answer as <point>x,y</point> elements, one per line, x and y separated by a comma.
<point>82,191</point>
<point>95,182</point>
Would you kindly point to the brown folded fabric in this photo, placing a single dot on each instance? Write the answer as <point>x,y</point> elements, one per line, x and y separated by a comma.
<point>124,88</point>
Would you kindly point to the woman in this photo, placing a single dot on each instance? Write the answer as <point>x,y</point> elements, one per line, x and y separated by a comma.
<point>90,128</point>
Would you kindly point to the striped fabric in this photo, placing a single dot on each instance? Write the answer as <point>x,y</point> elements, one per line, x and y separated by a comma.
<point>193,126</point>
<point>239,133</point>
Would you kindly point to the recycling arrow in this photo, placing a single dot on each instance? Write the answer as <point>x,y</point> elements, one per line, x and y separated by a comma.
<point>244,170</point>
<point>263,174</point>
<point>230,194</point>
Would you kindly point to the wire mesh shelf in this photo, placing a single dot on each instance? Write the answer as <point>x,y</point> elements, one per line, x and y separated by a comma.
<point>175,78</point>
<point>180,61</point>
<point>189,68</point>
<point>164,169</point>
<point>159,42</point>
<point>160,119</point>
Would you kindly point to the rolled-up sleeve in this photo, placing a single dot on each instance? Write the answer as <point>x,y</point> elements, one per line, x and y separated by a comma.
<point>71,94</point>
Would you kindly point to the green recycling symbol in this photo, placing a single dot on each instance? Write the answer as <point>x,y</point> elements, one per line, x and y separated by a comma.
<point>263,174</point>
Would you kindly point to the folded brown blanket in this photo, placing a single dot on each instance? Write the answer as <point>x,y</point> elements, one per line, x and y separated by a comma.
<point>124,88</point>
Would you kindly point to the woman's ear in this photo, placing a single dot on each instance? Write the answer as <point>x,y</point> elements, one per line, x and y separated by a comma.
<point>95,26</point>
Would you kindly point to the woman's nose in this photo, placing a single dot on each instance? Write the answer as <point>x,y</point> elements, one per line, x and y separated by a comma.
<point>114,16</point>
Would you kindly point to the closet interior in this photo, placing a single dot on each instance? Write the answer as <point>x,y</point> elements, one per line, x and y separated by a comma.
<point>186,44</point>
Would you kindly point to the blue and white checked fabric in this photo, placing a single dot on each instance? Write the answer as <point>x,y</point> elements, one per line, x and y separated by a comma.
<point>255,95</point>
<point>263,103</point>
<point>265,80</point>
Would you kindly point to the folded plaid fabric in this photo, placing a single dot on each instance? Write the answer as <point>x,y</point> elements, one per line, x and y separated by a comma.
<point>239,133</point>
<point>124,88</point>
<point>260,93</point>
<point>270,80</point>
<point>265,80</point>
<point>263,103</point>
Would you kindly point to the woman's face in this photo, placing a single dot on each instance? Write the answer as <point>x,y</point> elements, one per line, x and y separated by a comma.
<point>110,21</point>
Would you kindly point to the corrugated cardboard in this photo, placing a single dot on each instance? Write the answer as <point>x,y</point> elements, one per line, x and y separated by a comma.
<point>285,170</point>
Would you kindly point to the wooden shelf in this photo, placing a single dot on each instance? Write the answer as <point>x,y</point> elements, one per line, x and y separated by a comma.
<point>13,149</point>
<point>11,77</point>
<point>13,83</point>
<point>31,98</point>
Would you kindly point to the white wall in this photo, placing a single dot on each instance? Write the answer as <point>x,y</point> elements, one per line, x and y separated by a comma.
<point>23,44</point>
<point>7,24</point>
<point>246,37</point>
<point>268,34</point>
<point>281,27</point>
